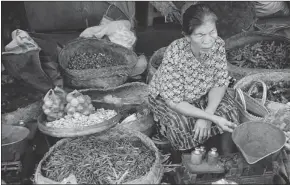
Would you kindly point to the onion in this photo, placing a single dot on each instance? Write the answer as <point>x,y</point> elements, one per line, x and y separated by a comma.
<point>87,98</point>
<point>67,107</point>
<point>61,107</point>
<point>48,103</point>
<point>74,102</point>
<point>57,101</point>
<point>81,99</point>
<point>91,107</point>
<point>60,114</point>
<point>44,107</point>
<point>80,107</point>
<point>71,110</point>
<point>46,111</point>
<point>55,107</point>
<point>69,97</point>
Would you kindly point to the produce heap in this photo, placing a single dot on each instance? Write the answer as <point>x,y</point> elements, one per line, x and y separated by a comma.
<point>92,61</point>
<point>94,160</point>
<point>263,54</point>
<point>72,110</point>
<point>276,91</point>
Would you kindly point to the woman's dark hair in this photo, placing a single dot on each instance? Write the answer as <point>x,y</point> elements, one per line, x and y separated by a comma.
<point>195,16</point>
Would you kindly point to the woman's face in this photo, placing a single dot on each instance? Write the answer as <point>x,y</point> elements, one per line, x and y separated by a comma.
<point>204,36</point>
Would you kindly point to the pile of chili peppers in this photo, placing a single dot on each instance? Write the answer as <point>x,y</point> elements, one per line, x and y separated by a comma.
<point>96,161</point>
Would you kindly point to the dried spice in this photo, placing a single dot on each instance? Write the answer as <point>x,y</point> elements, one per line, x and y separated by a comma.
<point>96,161</point>
<point>263,54</point>
<point>92,61</point>
<point>276,91</point>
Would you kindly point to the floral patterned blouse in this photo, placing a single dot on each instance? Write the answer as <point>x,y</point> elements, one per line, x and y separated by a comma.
<point>181,77</point>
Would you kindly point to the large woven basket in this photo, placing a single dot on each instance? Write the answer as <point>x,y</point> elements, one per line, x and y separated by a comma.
<point>241,40</point>
<point>78,131</point>
<point>246,82</point>
<point>153,176</point>
<point>135,93</point>
<point>105,77</point>
<point>156,59</point>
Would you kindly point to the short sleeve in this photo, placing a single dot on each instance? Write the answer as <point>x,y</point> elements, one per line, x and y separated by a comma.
<point>171,75</point>
<point>221,76</point>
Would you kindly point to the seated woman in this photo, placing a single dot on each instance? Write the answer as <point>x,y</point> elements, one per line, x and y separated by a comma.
<point>187,94</point>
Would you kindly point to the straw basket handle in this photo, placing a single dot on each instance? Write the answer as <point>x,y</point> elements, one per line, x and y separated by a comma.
<point>264,97</point>
<point>242,97</point>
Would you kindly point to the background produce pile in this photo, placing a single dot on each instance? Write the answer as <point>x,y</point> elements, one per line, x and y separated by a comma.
<point>264,54</point>
<point>17,95</point>
<point>277,91</point>
<point>92,61</point>
<point>96,161</point>
<point>233,17</point>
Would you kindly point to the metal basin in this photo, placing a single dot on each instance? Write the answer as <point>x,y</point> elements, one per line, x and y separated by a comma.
<point>14,142</point>
<point>258,140</point>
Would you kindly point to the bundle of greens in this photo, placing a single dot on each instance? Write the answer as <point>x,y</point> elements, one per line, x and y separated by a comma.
<point>263,54</point>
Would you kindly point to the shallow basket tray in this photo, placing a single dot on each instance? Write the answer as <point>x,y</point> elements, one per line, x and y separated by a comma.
<point>153,176</point>
<point>78,131</point>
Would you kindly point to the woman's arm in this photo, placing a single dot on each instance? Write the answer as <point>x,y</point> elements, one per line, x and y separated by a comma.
<point>215,96</point>
<point>187,109</point>
<point>221,80</point>
<point>190,110</point>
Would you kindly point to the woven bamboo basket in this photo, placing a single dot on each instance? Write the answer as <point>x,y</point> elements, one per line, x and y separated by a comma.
<point>105,77</point>
<point>244,38</point>
<point>156,59</point>
<point>246,83</point>
<point>249,108</point>
<point>79,131</point>
<point>132,93</point>
<point>153,176</point>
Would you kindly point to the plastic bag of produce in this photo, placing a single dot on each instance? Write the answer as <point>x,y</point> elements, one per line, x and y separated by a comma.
<point>54,102</point>
<point>119,32</point>
<point>78,104</point>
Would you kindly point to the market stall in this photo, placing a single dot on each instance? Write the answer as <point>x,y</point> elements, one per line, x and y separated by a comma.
<point>90,93</point>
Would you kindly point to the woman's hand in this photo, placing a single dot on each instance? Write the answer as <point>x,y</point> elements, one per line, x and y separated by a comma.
<point>202,129</point>
<point>225,124</point>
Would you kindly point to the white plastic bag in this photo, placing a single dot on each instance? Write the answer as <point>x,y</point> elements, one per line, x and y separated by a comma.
<point>119,32</point>
<point>266,8</point>
<point>21,43</point>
